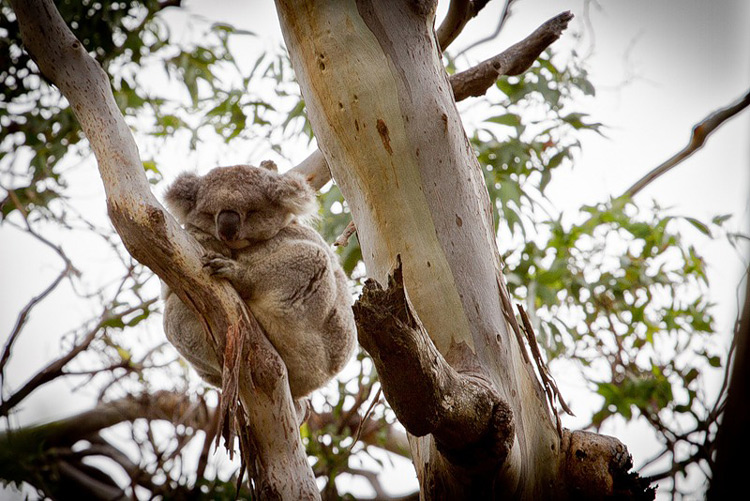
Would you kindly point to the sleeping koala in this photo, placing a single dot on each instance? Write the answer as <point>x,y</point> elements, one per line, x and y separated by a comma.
<point>249,221</point>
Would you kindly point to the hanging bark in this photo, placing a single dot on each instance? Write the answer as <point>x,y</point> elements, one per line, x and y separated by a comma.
<point>383,111</point>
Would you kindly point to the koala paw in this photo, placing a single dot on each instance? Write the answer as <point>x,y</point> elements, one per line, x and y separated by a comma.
<point>219,266</point>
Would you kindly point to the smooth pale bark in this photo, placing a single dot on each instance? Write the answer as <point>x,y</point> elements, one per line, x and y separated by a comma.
<point>383,112</point>
<point>443,335</point>
<point>153,237</point>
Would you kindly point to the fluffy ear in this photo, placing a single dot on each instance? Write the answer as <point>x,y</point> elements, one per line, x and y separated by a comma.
<point>294,193</point>
<point>270,165</point>
<point>181,195</point>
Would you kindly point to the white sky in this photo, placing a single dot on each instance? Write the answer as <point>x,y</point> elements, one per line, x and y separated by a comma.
<point>659,66</point>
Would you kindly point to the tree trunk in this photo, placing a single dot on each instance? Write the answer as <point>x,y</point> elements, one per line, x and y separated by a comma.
<point>153,237</point>
<point>443,335</point>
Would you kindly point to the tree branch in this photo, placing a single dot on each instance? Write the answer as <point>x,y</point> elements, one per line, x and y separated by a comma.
<point>155,239</point>
<point>315,169</point>
<point>700,134</point>
<point>34,453</point>
<point>512,61</point>
<point>55,368</point>
<point>459,13</point>
<point>471,425</point>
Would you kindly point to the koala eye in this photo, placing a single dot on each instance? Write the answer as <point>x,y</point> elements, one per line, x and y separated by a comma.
<point>250,213</point>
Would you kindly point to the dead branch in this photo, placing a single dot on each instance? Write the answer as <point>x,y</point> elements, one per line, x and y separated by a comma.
<point>468,420</point>
<point>700,133</point>
<point>513,61</point>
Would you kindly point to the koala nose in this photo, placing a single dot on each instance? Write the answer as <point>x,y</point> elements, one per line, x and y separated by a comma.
<point>228,225</point>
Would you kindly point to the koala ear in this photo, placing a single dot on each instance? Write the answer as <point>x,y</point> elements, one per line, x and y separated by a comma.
<point>181,195</point>
<point>270,165</point>
<point>294,193</point>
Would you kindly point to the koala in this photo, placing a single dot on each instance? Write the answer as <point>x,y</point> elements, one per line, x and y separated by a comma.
<point>251,221</point>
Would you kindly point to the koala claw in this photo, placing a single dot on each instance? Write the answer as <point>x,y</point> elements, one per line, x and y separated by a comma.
<point>219,265</point>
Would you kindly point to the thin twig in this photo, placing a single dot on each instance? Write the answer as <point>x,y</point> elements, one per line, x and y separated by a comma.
<point>366,417</point>
<point>343,239</point>
<point>55,368</point>
<point>23,316</point>
<point>504,15</point>
<point>700,133</point>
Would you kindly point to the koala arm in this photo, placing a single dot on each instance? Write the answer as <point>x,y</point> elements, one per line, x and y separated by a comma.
<point>296,274</point>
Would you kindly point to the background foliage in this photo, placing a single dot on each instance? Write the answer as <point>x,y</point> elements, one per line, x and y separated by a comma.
<point>615,290</point>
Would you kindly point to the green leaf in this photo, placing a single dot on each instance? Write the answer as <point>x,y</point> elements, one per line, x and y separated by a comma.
<point>719,220</point>
<point>699,225</point>
<point>509,119</point>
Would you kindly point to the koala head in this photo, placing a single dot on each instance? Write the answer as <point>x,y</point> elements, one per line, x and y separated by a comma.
<point>240,204</point>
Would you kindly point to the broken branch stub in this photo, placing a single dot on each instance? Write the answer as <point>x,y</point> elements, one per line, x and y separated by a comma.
<point>513,61</point>
<point>598,467</point>
<point>472,426</point>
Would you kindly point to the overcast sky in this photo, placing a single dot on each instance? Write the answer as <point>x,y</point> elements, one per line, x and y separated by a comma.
<point>658,67</point>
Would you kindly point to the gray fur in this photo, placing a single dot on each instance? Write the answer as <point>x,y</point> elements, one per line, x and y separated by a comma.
<point>249,221</point>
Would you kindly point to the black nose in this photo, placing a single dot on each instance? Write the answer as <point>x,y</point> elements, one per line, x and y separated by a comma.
<point>228,225</point>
